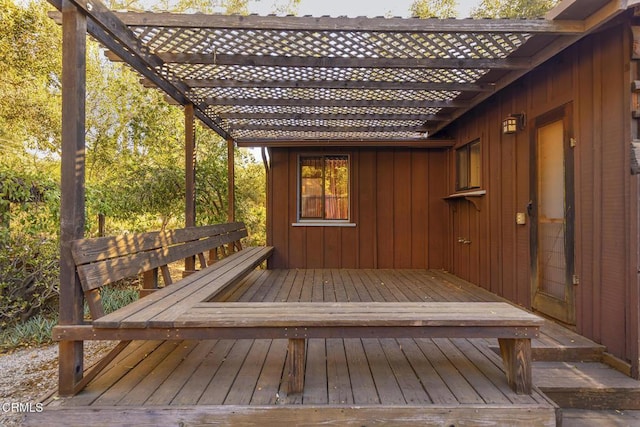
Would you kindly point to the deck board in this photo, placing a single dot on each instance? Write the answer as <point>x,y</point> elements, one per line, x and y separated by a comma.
<point>172,385</point>
<point>369,373</point>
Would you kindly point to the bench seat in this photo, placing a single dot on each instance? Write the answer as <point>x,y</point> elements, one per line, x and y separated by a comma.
<point>180,315</point>
<point>167,303</point>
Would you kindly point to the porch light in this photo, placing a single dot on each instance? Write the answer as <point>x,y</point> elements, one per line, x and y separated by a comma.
<point>513,123</point>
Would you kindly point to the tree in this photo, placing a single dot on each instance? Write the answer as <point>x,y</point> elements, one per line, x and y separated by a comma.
<point>289,7</point>
<point>513,8</point>
<point>30,67</point>
<point>434,8</point>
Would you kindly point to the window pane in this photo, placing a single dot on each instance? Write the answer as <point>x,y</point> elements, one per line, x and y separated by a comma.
<point>462,164</point>
<point>468,166</point>
<point>474,165</point>
<point>311,187</point>
<point>336,187</point>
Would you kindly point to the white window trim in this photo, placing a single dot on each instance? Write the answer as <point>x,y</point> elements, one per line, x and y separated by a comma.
<point>323,223</point>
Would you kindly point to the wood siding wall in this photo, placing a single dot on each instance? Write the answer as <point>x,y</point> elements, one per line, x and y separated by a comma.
<point>594,77</point>
<point>396,204</point>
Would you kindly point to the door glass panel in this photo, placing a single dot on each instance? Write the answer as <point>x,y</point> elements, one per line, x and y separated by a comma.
<point>551,210</point>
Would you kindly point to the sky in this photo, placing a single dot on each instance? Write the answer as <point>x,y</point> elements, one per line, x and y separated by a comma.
<point>353,8</point>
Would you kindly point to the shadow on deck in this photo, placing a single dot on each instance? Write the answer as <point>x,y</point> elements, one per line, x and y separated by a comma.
<point>347,381</point>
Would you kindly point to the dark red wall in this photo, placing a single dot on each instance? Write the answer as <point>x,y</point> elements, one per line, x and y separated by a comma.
<point>396,204</point>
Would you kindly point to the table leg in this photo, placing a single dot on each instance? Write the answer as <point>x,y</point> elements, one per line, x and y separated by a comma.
<point>516,356</point>
<point>296,365</point>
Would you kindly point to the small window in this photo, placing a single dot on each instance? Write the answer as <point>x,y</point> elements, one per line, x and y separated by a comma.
<point>324,188</point>
<point>468,166</point>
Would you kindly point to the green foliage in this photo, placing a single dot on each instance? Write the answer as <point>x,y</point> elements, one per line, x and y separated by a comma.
<point>37,330</point>
<point>287,7</point>
<point>513,8</point>
<point>251,199</point>
<point>134,157</point>
<point>28,277</point>
<point>30,67</point>
<point>434,8</point>
<point>115,296</point>
<point>29,217</point>
<point>34,332</point>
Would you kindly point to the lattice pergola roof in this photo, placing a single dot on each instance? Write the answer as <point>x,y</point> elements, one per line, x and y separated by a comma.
<point>269,80</point>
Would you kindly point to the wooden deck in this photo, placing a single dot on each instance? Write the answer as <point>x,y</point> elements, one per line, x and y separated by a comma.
<point>348,381</point>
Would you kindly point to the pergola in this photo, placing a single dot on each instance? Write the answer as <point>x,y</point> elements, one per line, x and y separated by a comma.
<point>273,80</point>
<point>314,81</point>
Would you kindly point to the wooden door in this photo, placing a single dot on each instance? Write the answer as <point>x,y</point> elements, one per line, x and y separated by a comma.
<point>552,209</point>
<point>466,239</point>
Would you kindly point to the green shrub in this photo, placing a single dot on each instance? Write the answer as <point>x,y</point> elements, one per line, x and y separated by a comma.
<point>28,278</point>
<point>34,332</point>
<point>115,296</point>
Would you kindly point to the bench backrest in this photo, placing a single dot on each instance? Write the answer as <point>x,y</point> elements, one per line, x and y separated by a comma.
<point>104,260</point>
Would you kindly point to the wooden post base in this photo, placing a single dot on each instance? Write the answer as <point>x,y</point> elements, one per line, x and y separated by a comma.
<point>516,356</point>
<point>296,361</point>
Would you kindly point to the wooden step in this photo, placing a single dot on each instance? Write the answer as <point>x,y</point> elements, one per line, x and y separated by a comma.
<point>295,415</point>
<point>559,344</point>
<point>589,418</point>
<point>588,385</point>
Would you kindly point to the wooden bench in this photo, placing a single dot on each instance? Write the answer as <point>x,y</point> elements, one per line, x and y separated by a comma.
<point>103,261</point>
<point>299,321</point>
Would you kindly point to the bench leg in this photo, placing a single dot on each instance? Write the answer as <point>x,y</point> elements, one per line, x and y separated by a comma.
<point>516,356</point>
<point>296,365</point>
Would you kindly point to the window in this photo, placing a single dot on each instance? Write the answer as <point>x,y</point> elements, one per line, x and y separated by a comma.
<point>468,166</point>
<point>324,188</point>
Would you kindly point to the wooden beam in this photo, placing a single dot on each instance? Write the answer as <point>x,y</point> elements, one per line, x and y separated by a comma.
<point>325,23</point>
<point>109,31</point>
<point>294,128</point>
<point>410,415</point>
<point>352,62</point>
<point>311,116</point>
<point>190,176</point>
<point>335,103</point>
<point>231,202</point>
<point>72,205</point>
<point>332,84</point>
<point>406,142</point>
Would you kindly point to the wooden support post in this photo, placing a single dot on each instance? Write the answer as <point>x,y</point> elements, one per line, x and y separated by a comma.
<point>231,216</point>
<point>516,356</point>
<point>213,256</point>
<point>101,224</point>
<point>149,282</point>
<point>190,176</point>
<point>72,207</point>
<point>296,365</point>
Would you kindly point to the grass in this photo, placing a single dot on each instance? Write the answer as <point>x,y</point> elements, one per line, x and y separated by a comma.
<point>37,330</point>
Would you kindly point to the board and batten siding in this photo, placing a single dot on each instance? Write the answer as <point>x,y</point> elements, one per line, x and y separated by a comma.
<point>396,204</point>
<point>592,79</point>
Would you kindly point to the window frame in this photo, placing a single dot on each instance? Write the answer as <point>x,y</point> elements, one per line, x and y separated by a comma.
<point>301,221</point>
<point>466,151</point>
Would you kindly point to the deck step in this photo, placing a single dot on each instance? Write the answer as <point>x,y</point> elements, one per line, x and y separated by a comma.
<point>587,418</point>
<point>587,385</point>
<point>559,344</point>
